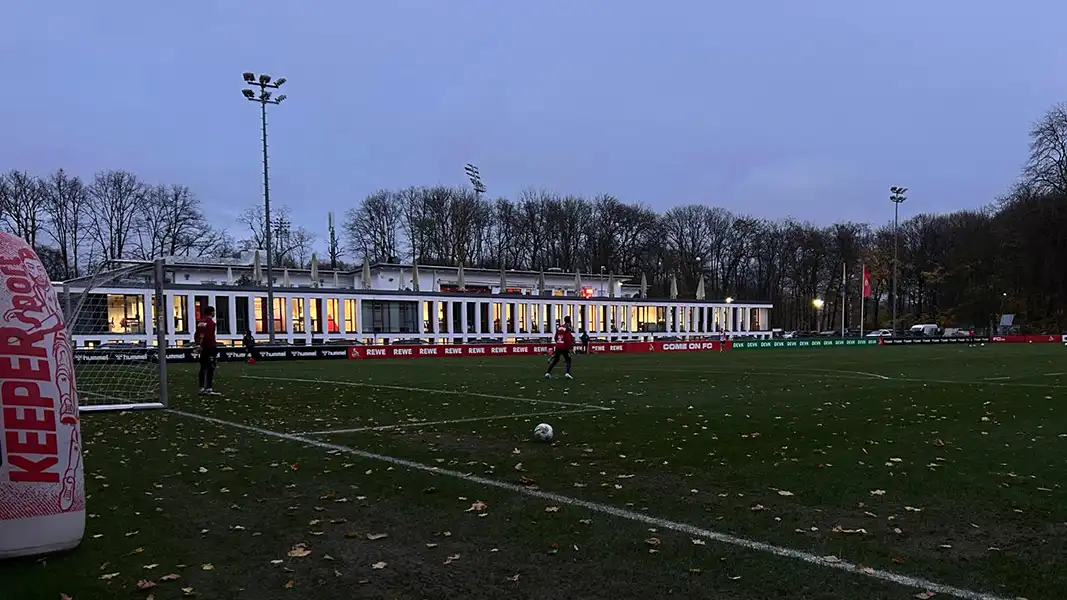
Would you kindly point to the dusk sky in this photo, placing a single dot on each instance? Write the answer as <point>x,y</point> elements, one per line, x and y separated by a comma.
<point>805,109</point>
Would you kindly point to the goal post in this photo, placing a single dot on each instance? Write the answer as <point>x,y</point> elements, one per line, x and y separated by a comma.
<point>112,373</point>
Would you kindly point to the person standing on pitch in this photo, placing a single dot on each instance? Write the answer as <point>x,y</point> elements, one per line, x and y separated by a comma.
<point>205,341</point>
<point>564,340</point>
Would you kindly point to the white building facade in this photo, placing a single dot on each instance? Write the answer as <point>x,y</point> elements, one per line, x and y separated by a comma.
<point>402,304</point>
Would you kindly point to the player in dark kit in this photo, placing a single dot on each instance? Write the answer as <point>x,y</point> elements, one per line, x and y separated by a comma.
<point>205,340</point>
<point>564,341</point>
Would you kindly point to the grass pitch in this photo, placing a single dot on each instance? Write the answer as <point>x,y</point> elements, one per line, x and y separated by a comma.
<point>942,463</point>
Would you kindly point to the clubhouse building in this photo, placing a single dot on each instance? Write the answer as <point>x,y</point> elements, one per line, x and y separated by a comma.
<point>387,304</point>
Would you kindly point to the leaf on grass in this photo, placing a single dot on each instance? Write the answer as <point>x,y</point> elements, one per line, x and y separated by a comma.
<point>653,541</point>
<point>477,506</point>
<point>431,545</point>
<point>757,508</point>
<point>514,578</point>
<point>328,557</point>
<point>839,529</point>
<point>785,493</point>
<point>170,577</point>
<point>551,509</point>
<point>109,576</point>
<point>451,558</point>
<point>290,584</point>
<point>699,542</point>
<point>377,536</point>
<point>299,551</point>
<point>878,492</point>
<point>277,561</point>
<point>379,565</point>
<point>524,480</point>
<point>207,567</point>
<point>188,591</point>
<point>63,596</point>
<point>898,560</point>
<point>144,584</point>
<point>151,566</point>
<point>924,595</point>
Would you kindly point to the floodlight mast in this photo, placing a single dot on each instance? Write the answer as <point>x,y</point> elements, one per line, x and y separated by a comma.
<point>897,197</point>
<point>265,83</point>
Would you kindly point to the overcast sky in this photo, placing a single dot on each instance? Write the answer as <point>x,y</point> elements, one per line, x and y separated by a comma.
<point>784,108</point>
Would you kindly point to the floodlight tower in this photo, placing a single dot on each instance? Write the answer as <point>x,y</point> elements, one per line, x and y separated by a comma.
<point>265,84</point>
<point>897,197</point>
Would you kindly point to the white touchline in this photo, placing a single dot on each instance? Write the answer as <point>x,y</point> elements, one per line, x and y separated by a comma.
<point>724,538</point>
<point>451,421</point>
<point>428,391</point>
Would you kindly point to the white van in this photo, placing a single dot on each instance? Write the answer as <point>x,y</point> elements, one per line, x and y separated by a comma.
<point>924,330</point>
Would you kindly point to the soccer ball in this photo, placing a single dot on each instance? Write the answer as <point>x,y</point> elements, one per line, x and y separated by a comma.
<point>543,432</point>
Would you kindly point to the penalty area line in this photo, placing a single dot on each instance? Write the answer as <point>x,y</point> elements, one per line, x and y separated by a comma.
<point>450,421</point>
<point>428,391</point>
<point>722,538</point>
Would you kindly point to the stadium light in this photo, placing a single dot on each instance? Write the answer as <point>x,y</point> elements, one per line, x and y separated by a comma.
<point>263,82</point>
<point>818,303</point>
<point>475,177</point>
<point>729,300</point>
<point>897,197</point>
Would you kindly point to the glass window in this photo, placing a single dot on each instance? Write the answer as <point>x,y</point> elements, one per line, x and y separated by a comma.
<point>298,314</point>
<point>332,325</point>
<point>222,315</point>
<point>181,314</point>
<point>316,314</point>
<point>241,306</point>
<point>350,316</point>
<point>124,313</point>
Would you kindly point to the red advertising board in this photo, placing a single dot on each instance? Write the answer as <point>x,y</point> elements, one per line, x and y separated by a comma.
<point>1026,339</point>
<point>467,350</point>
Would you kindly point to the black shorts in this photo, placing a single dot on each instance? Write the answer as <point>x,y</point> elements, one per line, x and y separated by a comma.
<point>208,355</point>
<point>560,352</point>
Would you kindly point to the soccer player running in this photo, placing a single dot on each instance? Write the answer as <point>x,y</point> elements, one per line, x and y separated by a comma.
<point>205,340</point>
<point>564,340</point>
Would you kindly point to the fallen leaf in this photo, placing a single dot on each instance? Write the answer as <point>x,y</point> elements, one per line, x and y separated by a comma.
<point>207,567</point>
<point>170,577</point>
<point>109,576</point>
<point>552,509</point>
<point>513,578</point>
<point>878,492</point>
<point>924,595</point>
<point>144,584</point>
<point>451,558</point>
<point>290,584</point>
<point>299,551</point>
<point>378,565</point>
<point>478,506</point>
<point>188,591</point>
<point>377,536</point>
<point>699,542</point>
<point>785,493</point>
<point>757,508</point>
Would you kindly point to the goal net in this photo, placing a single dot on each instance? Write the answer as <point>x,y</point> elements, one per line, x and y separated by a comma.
<point>113,316</point>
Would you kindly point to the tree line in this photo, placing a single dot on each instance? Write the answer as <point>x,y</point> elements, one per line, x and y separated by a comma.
<point>961,268</point>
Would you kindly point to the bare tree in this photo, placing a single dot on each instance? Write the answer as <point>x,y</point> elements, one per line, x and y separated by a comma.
<point>21,203</point>
<point>373,228</point>
<point>66,204</point>
<point>115,198</point>
<point>173,224</point>
<point>291,246</point>
<point>1047,167</point>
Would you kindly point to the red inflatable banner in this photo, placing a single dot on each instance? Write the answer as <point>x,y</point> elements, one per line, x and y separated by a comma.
<point>468,350</point>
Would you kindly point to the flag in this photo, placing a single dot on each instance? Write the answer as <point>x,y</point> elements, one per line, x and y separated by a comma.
<point>866,283</point>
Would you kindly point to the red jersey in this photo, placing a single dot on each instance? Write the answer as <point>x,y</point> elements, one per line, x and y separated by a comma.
<point>205,333</point>
<point>564,338</point>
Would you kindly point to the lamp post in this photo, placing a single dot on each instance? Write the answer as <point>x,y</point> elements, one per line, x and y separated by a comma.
<point>817,304</point>
<point>265,84</point>
<point>896,196</point>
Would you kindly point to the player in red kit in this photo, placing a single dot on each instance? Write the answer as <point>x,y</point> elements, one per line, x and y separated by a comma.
<point>205,340</point>
<point>564,341</point>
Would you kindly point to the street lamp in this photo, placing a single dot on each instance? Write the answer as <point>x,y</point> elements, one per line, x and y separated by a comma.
<point>818,303</point>
<point>265,83</point>
<point>896,196</point>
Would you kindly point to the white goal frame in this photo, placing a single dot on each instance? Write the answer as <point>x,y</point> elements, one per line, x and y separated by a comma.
<point>100,278</point>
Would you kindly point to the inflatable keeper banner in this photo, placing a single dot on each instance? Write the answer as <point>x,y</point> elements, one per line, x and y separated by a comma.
<point>42,487</point>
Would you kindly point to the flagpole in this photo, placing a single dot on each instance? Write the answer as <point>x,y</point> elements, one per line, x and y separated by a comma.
<point>844,296</point>
<point>863,290</point>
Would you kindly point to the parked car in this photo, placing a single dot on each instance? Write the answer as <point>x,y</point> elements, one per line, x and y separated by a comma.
<point>880,333</point>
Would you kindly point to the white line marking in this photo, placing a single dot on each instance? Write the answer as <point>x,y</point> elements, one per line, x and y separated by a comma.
<point>429,391</point>
<point>996,378</point>
<point>1054,374</point>
<point>450,421</point>
<point>724,538</point>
